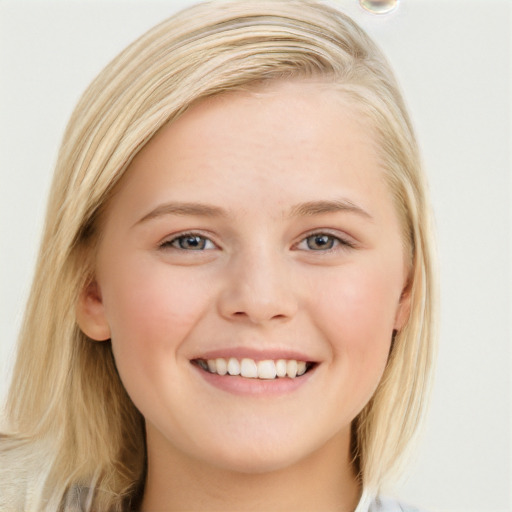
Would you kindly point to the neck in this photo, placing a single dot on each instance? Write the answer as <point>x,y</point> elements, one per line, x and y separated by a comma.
<point>324,481</point>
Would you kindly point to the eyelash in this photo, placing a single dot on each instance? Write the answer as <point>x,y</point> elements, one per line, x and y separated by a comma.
<point>336,242</point>
<point>169,244</point>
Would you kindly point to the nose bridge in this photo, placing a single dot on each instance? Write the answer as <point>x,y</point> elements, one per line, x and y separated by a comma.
<point>259,286</point>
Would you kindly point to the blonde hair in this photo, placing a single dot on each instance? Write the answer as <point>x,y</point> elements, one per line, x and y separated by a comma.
<point>71,426</point>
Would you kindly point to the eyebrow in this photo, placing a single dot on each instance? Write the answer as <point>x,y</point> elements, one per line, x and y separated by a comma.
<point>192,209</point>
<point>328,206</point>
<point>307,209</point>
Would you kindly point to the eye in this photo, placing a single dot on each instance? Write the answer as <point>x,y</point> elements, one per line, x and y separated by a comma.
<point>322,242</point>
<point>189,242</point>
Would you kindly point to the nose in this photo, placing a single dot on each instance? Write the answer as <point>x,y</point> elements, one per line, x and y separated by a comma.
<point>258,289</point>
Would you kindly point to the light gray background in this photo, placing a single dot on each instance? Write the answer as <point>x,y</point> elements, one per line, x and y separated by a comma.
<point>453,58</point>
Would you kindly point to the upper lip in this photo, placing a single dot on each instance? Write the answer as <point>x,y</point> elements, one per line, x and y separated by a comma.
<point>256,354</point>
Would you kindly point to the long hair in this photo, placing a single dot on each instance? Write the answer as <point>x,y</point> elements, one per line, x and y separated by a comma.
<point>73,435</point>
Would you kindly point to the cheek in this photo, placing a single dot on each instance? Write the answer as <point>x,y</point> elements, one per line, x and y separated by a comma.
<point>150,313</point>
<point>357,318</point>
<point>360,302</point>
<point>356,315</point>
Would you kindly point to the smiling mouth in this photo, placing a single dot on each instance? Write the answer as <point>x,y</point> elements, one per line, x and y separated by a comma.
<point>250,369</point>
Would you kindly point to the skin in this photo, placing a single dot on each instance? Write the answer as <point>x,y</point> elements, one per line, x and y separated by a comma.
<point>260,283</point>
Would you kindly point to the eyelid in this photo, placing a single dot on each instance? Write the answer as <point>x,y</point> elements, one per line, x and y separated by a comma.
<point>166,243</point>
<point>344,240</point>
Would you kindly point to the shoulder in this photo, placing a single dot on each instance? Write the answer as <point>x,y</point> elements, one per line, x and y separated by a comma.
<point>383,504</point>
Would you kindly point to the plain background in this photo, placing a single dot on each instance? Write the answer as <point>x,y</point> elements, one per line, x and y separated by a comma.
<point>453,59</point>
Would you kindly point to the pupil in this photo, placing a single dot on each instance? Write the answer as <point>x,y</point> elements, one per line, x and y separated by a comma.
<point>320,242</point>
<point>192,242</point>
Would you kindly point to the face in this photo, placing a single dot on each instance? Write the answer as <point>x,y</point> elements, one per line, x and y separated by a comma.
<point>255,234</point>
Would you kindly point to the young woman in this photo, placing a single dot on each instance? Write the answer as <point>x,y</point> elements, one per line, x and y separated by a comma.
<point>234,303</point>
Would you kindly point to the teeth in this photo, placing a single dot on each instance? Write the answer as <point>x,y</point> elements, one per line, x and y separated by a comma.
<point>267,370</point>
<point>222,366</point>
<point>291,368</point>
<point>233,366</point>
<point>250,369</point>
<point>281,368</point>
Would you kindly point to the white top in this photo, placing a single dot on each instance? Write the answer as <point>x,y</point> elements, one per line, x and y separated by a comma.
<point>371,503</point>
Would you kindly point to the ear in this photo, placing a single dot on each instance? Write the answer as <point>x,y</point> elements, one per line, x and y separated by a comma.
<point>90,313</point>
<point>404,308</point>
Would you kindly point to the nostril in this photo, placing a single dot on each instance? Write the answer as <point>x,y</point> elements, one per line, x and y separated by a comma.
<point>257,318</point>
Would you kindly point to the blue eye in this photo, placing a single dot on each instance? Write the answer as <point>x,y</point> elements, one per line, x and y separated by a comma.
<point>322,242</point>
<point>190,242</point>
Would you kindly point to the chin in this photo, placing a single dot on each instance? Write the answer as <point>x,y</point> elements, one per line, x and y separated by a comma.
<point>257,455</point>
<point>251,462</point>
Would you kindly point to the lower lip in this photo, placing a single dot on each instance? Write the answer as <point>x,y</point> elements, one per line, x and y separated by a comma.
<point>260,387</point>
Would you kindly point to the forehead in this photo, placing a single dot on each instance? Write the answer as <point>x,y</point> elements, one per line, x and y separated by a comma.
<point>290,142</point>
<point>275,119</point>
